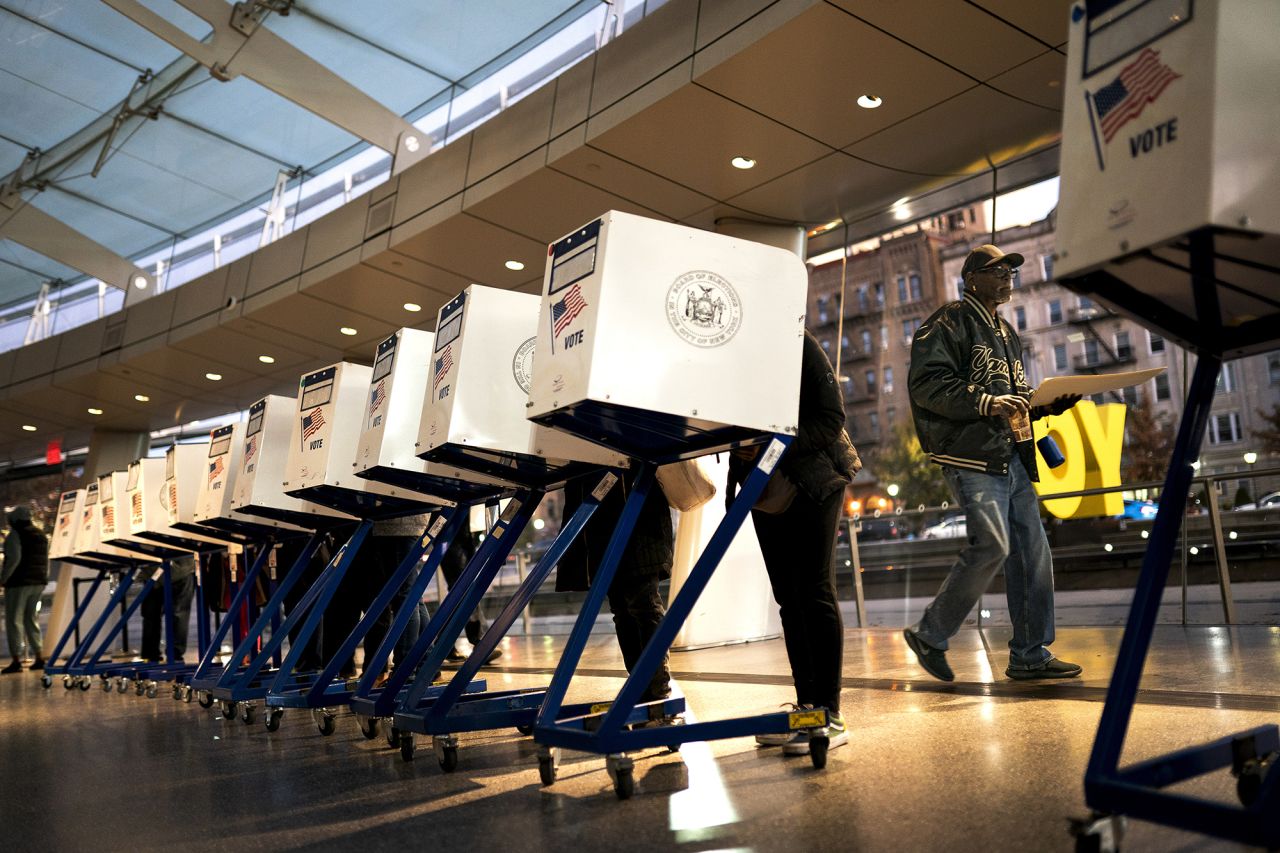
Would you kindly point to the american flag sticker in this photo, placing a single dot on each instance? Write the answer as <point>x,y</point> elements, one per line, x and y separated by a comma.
<point>564,311</point>
<point>311,424</point>
<point>377,396</point>
<point>444,362</point>
<point>1122,100</point>
<point>215,468</point>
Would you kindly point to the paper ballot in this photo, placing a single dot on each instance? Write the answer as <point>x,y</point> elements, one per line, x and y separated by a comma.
<point>1059,386</point>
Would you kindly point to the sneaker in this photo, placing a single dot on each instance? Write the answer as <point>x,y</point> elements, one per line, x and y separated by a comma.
<point>37,665</point>
<point>493,656</point>
<point>16,666</point>
<point>837,735</point>
<point>455,656</point>
<point>933,660</point>
<point>780,738</point>
<point>1052,668</point>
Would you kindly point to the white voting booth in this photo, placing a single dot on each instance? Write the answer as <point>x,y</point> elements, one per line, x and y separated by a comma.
<point>62,540</point>
<point>88,541</point>
<point>397,390</point>
<point>113,510</point>
<point>330,415</point>
<point>668,342</point>
<point>481,367</point>
<point>258,490</point>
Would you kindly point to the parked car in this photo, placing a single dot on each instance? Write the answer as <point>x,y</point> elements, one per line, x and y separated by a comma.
<point>872,529</point>
<point>951,527</point>
<point>1140,510</point>
<point>1267,501</point>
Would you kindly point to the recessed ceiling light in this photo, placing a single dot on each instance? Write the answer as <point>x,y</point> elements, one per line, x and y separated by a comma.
<point>213,377</point>
<point>142,398</point>
<point>347,330</point>
<point>93,411</point>
<point>266,359</point>
<point>28,428</point>
<point>743,163</point>
<point>514,265</point>
<point>412,306</point>
<point>140,282</point>
<point>869,102</point>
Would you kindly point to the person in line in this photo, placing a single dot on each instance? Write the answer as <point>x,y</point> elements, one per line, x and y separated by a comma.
<point>798,541</point>
<point>970,402</point>
<point>452,564</point>
<point>24,574</point>
<point>182,578</point>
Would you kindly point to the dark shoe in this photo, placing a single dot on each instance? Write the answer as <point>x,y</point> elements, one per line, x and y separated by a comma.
<point>16,666</point>
<point>1052,668</point>
<point>933,660</point>
<point>493,656</point>
<point>455,656</point>
<point>37,665</point>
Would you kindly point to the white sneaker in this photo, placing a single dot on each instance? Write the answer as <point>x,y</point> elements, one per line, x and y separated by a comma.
<point>780,738</point>
<point>837,735</point>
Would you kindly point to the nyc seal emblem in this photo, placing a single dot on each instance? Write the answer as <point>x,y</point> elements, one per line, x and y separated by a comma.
<point>703,308</point>
<point>522,365</point>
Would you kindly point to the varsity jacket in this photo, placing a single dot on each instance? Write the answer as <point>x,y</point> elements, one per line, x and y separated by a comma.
<point>962,358</point>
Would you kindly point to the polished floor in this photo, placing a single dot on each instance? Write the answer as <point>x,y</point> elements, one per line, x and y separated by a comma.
<point>981,764</point>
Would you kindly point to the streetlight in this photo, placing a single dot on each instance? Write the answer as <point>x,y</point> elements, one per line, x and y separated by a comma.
<point>1250,458</point>
<point>892,490</point>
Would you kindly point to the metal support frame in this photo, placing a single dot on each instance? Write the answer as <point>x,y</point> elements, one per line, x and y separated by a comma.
<point>240,45</point>
<point>1137,790</point>
<point>52,667</point>
<point>603,730</point>
<point>23,222</point>
<point>202,673</point>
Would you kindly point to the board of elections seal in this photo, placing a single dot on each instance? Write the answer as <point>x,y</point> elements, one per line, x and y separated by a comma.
<point>522,365</point>
<point>703,308</point>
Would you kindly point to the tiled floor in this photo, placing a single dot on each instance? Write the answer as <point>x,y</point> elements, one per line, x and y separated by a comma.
<point>982,764</point>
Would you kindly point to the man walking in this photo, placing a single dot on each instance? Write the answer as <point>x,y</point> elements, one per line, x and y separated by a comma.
<point>969,400</point>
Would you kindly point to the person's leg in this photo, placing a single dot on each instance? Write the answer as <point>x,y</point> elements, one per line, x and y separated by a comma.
<point>32,624</point>
<point>985,500</point>
<point>153,623</point>
<point>12,629</point>
<point>1029,580</point>
<point>183,592</point>
<point>637,609</point>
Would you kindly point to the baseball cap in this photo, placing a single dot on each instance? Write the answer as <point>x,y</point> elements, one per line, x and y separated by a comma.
<point>986,255</point>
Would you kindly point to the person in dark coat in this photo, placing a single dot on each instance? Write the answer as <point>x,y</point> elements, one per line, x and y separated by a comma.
<point>633,595</point>
<point>798,544</point>
<point>24,574</point>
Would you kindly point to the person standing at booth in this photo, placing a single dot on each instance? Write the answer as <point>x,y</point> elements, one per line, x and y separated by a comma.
<point>182,579</point>
<point>970,402</point>
<point>24,574</point>
<point>796,521</point>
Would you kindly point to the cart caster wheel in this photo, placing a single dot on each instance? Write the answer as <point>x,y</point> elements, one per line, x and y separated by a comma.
<point>818,750</point>
<point>106,686</point>
<point>325,721</point>
<point>448,759</point>
<point>85,683</point>
<point>393,737</point>
<point>206,700</point>
<point>548,764</point>
<point>177,692</point>
<point>46,681</point>
<point>272,720</point>
<point>228,710</point>
<point>187,694</point>
<point>370,727</point>
<point>151,691</point>
<point>625,785</point>
<point>66,682</point>
<point>248,713</point>
<point>139,687</point>
<point>1098,833</point>
<point>407,746</point>
<point>525,730</point>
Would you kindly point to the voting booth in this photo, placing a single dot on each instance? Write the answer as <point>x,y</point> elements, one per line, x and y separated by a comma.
<point>1169,125</point>
<point>258,487</point>
<point>331,412</point>
<point>667,342</point>
<point>88,539</point>
<point>1170,214</point>
<point>397,390</point>
<point>62,540</point>
<point>481,368</point>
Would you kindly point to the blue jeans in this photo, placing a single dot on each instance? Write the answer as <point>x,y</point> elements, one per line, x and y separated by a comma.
<point>1003,518</point>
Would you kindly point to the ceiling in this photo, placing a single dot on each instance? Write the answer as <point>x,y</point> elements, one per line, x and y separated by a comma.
<point>647,125</point>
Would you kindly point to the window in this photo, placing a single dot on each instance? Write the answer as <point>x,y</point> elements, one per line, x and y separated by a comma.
<point>826,345</point>
<point>871,381</point>
<point>909,328</point>
<point>879,289</point>
<point>955,221</point>
<point>851,424</point>
<point>866,340</point>
<point>1124,351</point>
<point>1091,352</point>
<point>822,309</point>
<point>1227,381</point>
<point>1086,304</point>
<point>884,336</point>
<point>844,343</point>
<point>873,419</point>
<point>846,386</point>
<point>913,283</point>
<point>890,417</point>
<point>1162,387</point>
<point>1224,428</point>
<point>1046,267</point>
<point>1059,357</point>
<point>862,299</point>
<point>1156,342</point>
<point>902,289</point>
<point>1130,395</point>
<point>1020,318</point>
<point>1055,311</point>
<point>1273,368</point>
<point>888,380</point>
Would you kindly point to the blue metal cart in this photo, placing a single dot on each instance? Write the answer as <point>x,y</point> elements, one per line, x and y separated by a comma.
<point>108,567</point>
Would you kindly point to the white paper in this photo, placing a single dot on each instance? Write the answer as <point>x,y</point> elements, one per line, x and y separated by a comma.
<point>1059,386</point>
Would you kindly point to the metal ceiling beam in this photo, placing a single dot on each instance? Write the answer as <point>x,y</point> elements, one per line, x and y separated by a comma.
<point>240,45</point>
